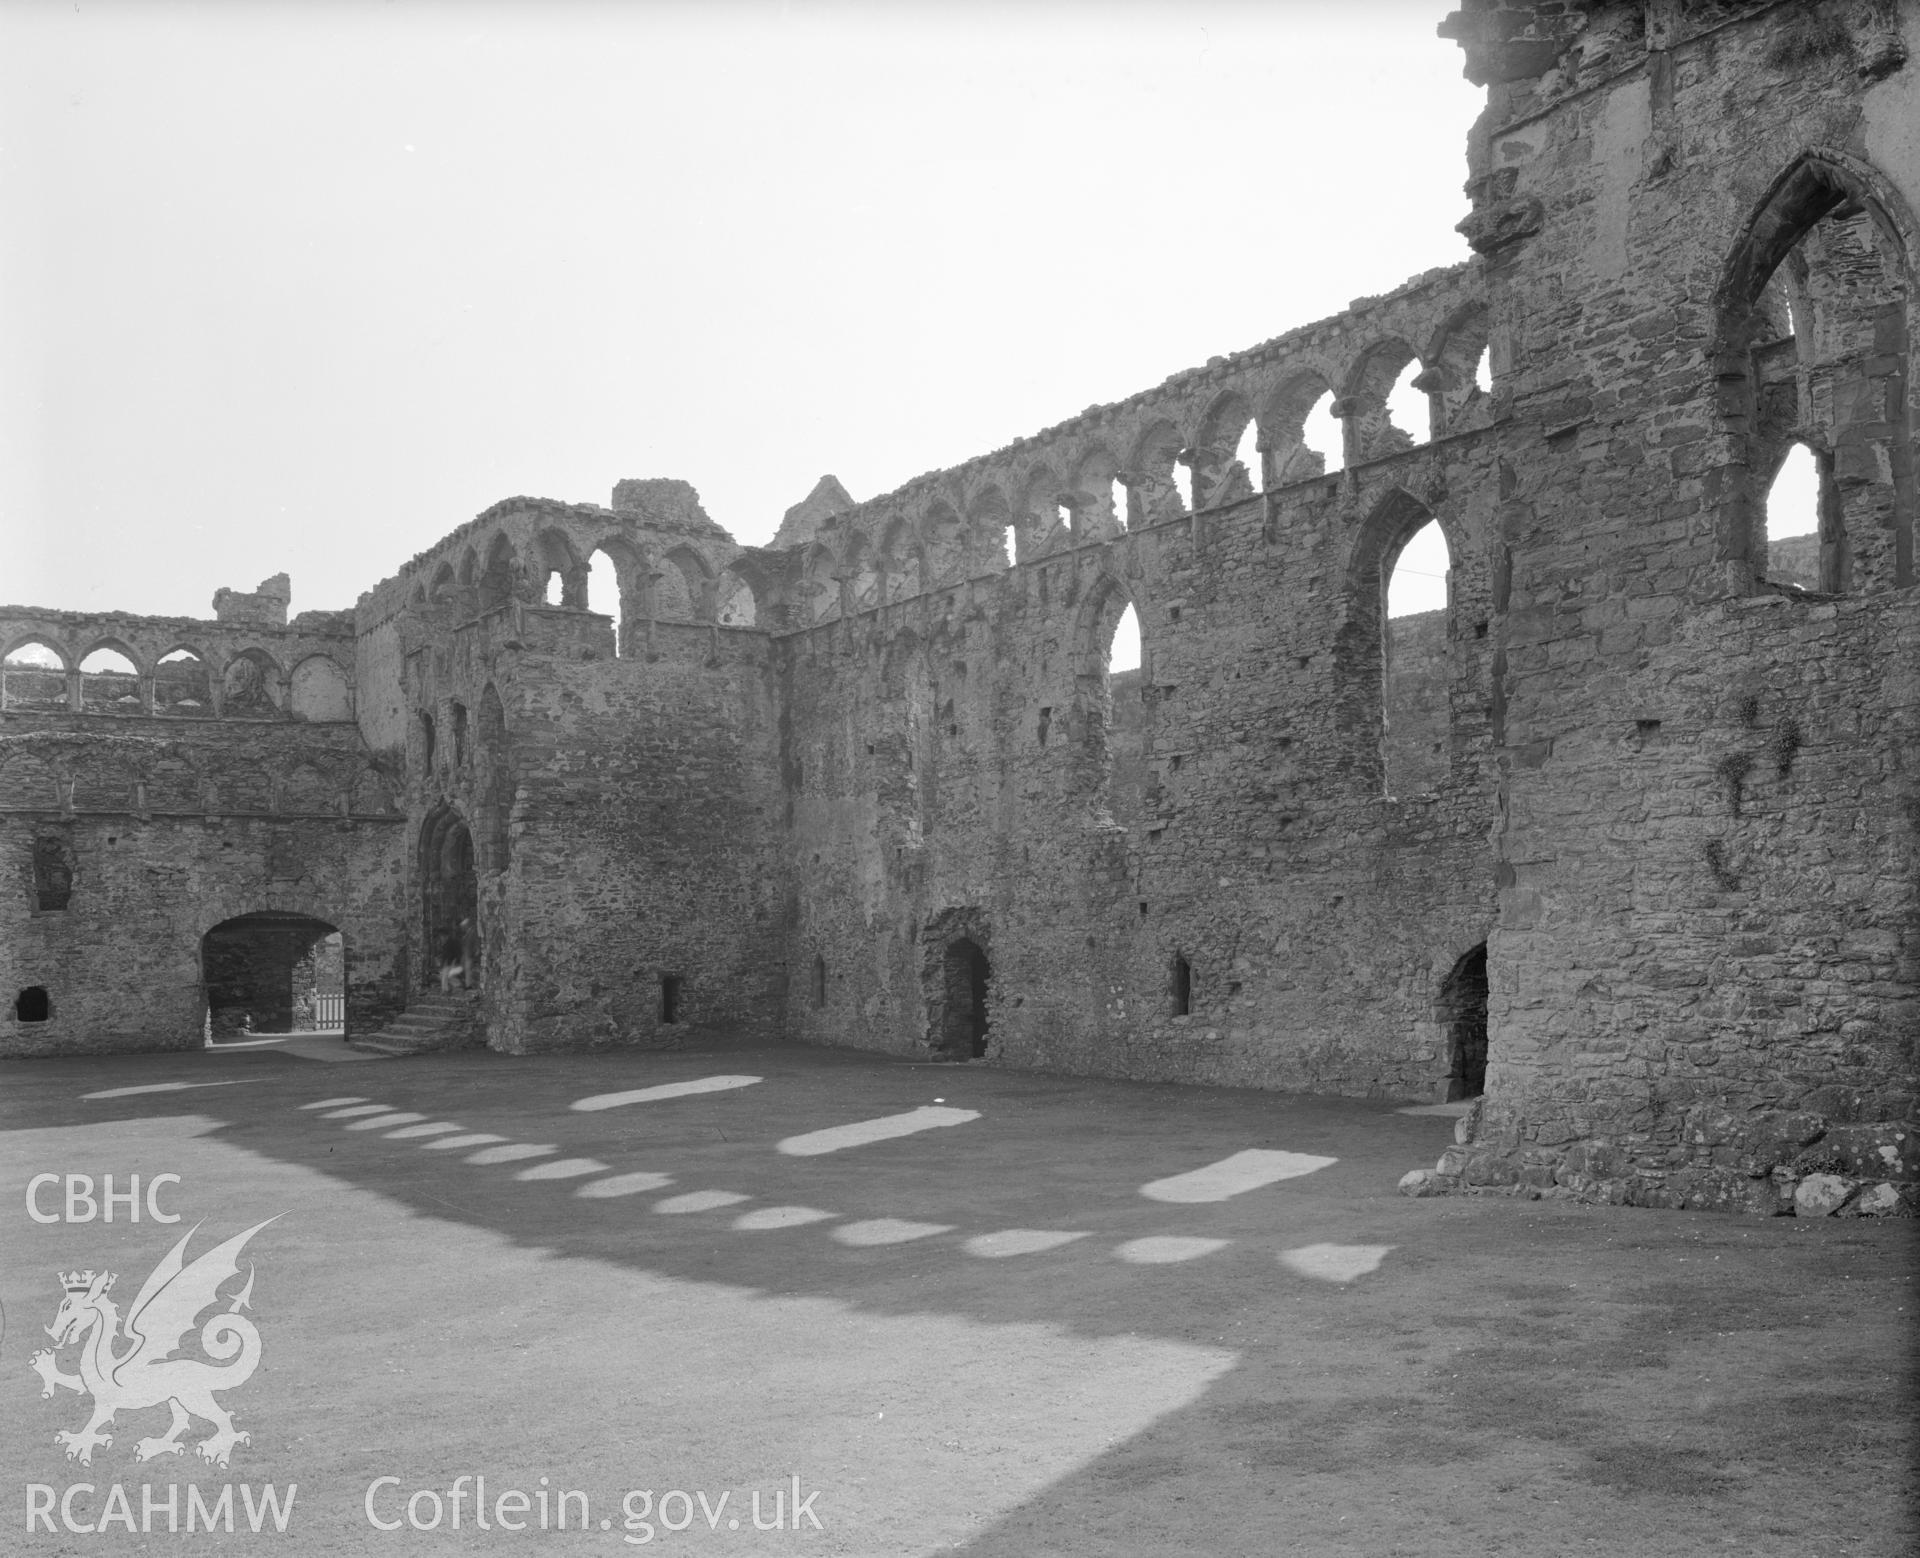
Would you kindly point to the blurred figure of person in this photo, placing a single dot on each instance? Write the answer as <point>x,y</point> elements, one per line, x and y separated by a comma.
<point>452,960</point>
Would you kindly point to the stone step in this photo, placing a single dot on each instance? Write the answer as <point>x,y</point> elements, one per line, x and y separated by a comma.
<point>432,1021</point>
<point>378,1047</point>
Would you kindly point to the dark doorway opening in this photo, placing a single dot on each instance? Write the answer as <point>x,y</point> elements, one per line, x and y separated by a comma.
<point>273,973</point>
<point>1463,1008</point>
<point>449,889</point>
<point>1182,983</point>
<point>963,1028</point>
<point>32,1005</point>
<point>669,998</point>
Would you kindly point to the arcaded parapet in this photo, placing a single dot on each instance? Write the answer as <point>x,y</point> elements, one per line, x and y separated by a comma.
<point>173,668</point>
<point>1156,457</point>
<point>666,562</point>
<point>161,776</point>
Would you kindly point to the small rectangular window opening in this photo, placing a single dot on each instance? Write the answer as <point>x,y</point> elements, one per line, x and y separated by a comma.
<point>670,998</point>
<point>1046,724</point>
<point>52,875</point>
<point>1182,986</point>
<point>819,982</point>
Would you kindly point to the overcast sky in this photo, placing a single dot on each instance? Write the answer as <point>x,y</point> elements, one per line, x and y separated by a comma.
<point>303,287</point>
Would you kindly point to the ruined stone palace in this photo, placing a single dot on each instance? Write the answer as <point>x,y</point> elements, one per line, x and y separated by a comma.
<point>1628,836</point>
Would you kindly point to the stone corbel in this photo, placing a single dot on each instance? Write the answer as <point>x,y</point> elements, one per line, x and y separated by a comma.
<point>1501,217</point>
<point>1508,42</point>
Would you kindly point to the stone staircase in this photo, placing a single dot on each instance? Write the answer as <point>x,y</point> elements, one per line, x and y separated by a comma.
<point>431,1022</point>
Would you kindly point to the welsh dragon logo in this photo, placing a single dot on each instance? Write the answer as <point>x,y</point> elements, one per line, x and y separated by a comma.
<point>142,1372</point>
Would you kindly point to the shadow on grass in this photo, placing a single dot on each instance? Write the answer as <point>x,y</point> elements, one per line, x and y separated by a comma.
<point>1506,1352</point>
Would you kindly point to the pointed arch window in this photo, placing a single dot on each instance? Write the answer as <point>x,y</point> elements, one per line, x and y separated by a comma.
<point>1814,326</point>
<point>1415,665</point>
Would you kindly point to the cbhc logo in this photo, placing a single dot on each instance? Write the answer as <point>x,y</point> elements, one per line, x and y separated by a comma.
<point>82,1207</point>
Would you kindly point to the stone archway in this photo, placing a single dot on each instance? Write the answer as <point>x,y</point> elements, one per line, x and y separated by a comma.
<point>449,887</point>
<point>272,972</point>
<point>1463,1010</point>
<point>955,976</point>
<point>963,1012</point>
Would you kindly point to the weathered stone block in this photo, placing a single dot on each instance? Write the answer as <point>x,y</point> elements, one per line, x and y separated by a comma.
<point>1886,1151</point>
<point>1822,1195</point>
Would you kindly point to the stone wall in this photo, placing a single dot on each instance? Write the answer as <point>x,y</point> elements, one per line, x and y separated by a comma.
<point>646,804</point>
<point>959,759</point>
<point>622,798</point>
<point>1635,810</point>
<point>1705,955</point>
<point>120,851</point>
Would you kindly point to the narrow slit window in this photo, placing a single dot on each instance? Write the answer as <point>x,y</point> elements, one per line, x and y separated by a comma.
<point>670,985</point>
<point>1182,985</point>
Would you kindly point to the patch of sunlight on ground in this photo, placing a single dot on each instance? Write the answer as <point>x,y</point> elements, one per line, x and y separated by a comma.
<point>1166,1249</point>
<point>1236,1175</point>
<point>1335,1262</point>
<point>665,1090</point>
<point>837,1138</point>
<point>731,1386</point>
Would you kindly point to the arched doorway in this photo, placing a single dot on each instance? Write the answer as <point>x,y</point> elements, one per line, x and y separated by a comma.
<point>1463,1008</point>
<point>448,887</point>
<point>273,973</point>
<point>963,1023</point>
